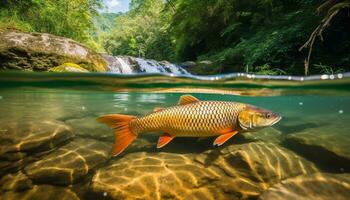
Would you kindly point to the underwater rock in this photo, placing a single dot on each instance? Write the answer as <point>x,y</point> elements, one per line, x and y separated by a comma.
<point>68,67</point>
<point>24,141</point>
<point>23,136</point>
<point>331,141</point>
<point>254,167</point>
<point>70,163</point>
<point>234,172</point>
<point>89,127</point>
<point>42,51</point>
<point>15,182</point>
<point>269,134</point>
<point>42,192</point>
<point>157,176</point>
<point>320,186</point>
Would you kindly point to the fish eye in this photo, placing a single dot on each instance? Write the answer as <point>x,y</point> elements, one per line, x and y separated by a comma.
<point>268,115</point>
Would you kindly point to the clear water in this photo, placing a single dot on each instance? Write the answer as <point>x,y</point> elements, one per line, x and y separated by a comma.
<point>52,147</point>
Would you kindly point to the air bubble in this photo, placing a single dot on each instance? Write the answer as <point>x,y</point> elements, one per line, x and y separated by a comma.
<point>83,108</point>
<point>125,109</point>
<point>324,76</point>
<point>341,111</point>
<point>301,103</point>
<point>105,194</point>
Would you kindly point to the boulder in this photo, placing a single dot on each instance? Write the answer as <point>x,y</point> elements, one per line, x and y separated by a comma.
<point>42,51</point>
<point>24,141</point>
<point>331,141</point>
<point>68,67</point>
<point>156,176</point>
<point>254,167</point>
<point>320,186</point>
<point>234,172</point>
<point>70,163</point>
<point>42,192</point>
<point>15,182</point>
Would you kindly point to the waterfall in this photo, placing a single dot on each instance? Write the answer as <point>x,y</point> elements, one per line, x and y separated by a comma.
<point>125,68</point>
<point>132,65</point>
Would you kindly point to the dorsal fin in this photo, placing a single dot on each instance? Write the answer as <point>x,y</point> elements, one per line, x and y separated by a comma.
<point>157,109</point>
<point>187,99</point>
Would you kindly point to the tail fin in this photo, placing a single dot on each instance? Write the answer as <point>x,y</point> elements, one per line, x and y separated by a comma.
<point>123,134</point>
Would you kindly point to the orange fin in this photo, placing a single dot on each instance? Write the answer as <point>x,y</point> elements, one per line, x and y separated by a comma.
<point>187,99</point>
<point>164,140</point>
<point>157,109</point>
<point>123,134</point>
<point>223,138</point>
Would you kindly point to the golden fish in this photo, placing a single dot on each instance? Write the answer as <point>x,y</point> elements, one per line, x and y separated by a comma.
<point>190,118</point>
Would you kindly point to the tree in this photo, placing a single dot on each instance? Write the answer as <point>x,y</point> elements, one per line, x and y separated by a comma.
<point>331,8</point>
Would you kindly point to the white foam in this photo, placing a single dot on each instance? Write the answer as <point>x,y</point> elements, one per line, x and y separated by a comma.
<point>125,68</point>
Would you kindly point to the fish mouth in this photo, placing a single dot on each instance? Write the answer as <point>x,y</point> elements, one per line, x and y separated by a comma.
<point>276,120</point>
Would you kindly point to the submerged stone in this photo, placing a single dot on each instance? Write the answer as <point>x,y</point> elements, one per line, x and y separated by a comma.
<point>42,51</point>
<point>24,141</point>
<point>330,141</point>
<point>42,192</point>
<point>24,136</point>
<point>234,172</point>
<point>254,167</point>
<point>70,163</point>
<point>318,186</point>
<point>15,182</point>
<point>157,176</point>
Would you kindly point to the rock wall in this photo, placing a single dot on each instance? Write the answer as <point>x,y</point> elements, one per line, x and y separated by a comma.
<point>42,51</point>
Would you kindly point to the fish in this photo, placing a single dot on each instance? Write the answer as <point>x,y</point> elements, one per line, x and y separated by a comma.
<point>190,118</point>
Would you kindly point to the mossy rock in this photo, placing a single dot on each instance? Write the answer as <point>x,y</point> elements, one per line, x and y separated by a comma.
<point>68,67</point>
<point>42,51</point>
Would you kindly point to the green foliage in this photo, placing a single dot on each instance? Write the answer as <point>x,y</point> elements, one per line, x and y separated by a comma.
<point>234,34</point>
<point>143,31</point>
<point>325,69</point>
<point>8,21</point>
<point>68,18</point>
<point>268,70</point>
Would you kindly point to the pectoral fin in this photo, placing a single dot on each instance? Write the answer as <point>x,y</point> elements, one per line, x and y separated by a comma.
<point>223,138</point>
<point>164,140</point>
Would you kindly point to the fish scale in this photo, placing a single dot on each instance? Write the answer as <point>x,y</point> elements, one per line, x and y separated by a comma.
<point>204,118</point>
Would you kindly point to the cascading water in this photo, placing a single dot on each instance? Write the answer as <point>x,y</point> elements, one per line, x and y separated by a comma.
<point>125,68</point>
<point>132,65</point>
